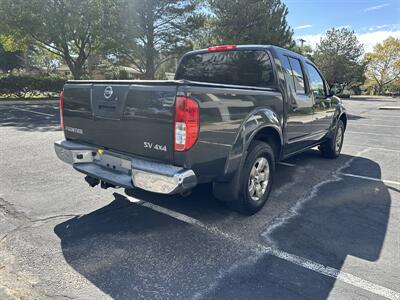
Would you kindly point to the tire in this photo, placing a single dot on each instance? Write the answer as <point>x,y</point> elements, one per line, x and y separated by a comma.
<point>254,190</point>
<point>332,147</point>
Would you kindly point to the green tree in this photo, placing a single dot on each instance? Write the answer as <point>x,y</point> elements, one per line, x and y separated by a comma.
<point>43,60</point>
<point>204,37</point>
<point>383,64</point>
<point>10,60</point>
<point>394,87</point>
<point>154,32</point>
<point>251,22</point>
<point>28,55</point>
<point>305,50</point>
<point>339,55</point>
<point>70,29</point>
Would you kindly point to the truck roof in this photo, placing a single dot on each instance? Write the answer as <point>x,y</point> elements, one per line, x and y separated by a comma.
<point>256,47</point>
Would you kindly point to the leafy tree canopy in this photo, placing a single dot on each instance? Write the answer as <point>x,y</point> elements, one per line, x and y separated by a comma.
<point>154,32</point>
<point>305,50</point>
<point>10,60</point>
<point>383,64</point>
<point>12,44</point>
<point>70,29</point>
<point>339,55</point>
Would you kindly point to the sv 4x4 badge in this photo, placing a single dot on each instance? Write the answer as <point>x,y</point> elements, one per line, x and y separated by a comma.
<point>155,147</point>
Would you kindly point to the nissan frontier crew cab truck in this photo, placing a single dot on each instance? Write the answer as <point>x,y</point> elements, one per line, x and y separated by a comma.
<point>230,114</point>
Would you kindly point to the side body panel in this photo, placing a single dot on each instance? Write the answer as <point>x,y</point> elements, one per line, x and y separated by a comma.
<point>298,129</point>
<point>339,113</point>
<point>309,119</point>
<point>324,107</point>
<point>228,119</point>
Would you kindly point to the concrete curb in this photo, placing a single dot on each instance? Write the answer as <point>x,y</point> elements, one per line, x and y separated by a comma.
<point>389,108</point>
<point>25,102</point>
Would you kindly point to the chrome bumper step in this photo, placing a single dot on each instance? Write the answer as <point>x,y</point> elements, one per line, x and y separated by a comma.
<point>124,171</point>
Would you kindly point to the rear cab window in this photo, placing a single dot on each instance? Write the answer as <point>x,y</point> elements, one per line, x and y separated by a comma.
<point>238,67</point>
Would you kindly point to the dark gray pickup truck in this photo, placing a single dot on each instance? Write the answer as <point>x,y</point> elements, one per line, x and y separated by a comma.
<point>229,116</point>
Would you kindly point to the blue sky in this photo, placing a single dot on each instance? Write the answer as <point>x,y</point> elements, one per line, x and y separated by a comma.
<point>372,20</point>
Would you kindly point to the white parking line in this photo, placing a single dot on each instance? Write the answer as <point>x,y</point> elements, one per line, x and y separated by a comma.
<point>371,178</point>
<point>374,148</point>
<point>294,259</point>
<point>373,125</point>
<point>357,176</point>
<point>382,115</point>
<point>370,133</point>
<point>369,117</point>
<point>166,211</point>
<point>27,110</point>
<point>337,274</point>
<point>385,149</point>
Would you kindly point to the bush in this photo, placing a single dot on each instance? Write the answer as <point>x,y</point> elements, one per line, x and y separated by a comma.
<point>26,86</point>
<point>345,94</point>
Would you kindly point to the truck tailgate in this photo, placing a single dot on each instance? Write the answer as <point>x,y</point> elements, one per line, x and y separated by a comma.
<point>134,118</point>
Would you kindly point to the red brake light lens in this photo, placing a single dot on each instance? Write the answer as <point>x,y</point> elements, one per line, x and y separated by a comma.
<point>62,110</point>
<point>222,48</point>
<point>186,123</point>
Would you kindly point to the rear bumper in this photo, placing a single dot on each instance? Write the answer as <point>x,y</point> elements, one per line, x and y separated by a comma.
<point>124,171</point>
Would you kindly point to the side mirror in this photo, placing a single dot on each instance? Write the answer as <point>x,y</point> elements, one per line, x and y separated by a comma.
<point>332,91</point>
<point>317,95</point>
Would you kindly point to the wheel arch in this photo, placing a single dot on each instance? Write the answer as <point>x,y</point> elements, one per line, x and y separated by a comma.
<point>343,117</point>
<point>271,136</point>
<point>264,125</point>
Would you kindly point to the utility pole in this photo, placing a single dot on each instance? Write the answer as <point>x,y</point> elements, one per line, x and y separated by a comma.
<point>302,41</point>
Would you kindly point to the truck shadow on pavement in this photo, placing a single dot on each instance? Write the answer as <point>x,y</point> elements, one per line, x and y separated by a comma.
<point>130,251</point>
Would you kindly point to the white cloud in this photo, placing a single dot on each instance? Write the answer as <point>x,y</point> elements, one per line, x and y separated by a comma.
<point>380,26</point>
<point>303,26</point>
<point>376,7</point>
<point>310,39</point>
<point>389,27</point>
<point>369,39</point>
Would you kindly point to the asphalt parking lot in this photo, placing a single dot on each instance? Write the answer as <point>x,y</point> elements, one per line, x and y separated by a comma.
<point>331,228</point>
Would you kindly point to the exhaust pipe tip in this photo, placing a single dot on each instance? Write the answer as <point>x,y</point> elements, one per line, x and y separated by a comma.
<point>92,181</point>
<point>186,193</point>
<point>106,185</point>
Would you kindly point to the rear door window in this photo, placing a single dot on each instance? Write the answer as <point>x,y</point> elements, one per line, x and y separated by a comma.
<point>239,67</point>
<point>298,75</point>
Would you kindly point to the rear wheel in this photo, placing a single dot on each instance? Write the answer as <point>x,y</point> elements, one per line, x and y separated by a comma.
<point>332,147</point>
<point>256,179</point>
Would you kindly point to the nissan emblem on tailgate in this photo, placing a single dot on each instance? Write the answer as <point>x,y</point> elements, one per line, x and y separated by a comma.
<point>108,92</point>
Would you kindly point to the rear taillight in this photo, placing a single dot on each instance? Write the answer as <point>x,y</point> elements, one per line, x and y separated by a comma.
<point>186,123</point>
<point>62,110</point>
